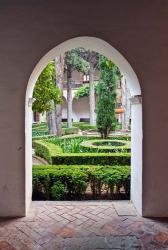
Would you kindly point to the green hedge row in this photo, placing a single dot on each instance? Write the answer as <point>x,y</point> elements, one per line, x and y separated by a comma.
<point>84,127</point>
<point>90,146</point>
<point>69,131</point>
<point>53,154</point>
<point>92,158</point>
<point>46,150</point>
<point>43,132</point>
<point>72,181</point>
<point>87,137</point>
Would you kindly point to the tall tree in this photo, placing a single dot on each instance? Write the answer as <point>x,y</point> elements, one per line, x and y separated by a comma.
<point>47,95</point>
<point>73,61</point>
<point>106,119</point>
<point>59,68</point>
<point>92,58</point>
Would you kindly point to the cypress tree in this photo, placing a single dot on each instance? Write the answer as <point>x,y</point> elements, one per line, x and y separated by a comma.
<point>106,90</point>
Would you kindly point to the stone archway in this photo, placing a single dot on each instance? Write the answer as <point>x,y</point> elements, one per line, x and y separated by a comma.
<point>110,52</point>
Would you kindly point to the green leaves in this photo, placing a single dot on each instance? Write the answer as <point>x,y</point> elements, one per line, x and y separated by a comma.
<point>45,90</point>
<point>106,91</point>
<point>84,91</point>
<point>76,62</point>
<point>72,181</point>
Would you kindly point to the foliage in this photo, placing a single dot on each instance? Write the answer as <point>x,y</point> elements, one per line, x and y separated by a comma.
<point>45,90</point>
<point>71,145</point>
<point>92,158</point>
<point>53,154</point>
<point>75,61</point>
<point>106,97</point>
<point>84,91</point>
<point>73,181</point>
<point>69,131</point>
<point>91,57</point>
<point>57,191</point>
<point>105,146</point>
<point>39,133</point>
<point>54,139</point>
<point>84,126</point>
<point>46,150</point>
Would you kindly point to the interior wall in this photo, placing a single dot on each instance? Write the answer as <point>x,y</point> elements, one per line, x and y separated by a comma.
<point>29,29</point>
<point>80,108</point>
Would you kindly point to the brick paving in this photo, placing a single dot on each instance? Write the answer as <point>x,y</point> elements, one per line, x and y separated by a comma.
<point>83,225</point>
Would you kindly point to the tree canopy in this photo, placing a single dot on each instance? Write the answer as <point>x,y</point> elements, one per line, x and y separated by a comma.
<point>84,91</point>
<point>74,60</point>
<point>46,91</point>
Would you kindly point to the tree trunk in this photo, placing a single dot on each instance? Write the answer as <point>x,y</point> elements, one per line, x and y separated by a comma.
<point>59,69</point>
<point>69,97</point>
<point>92,96</point>
<point>126,105</point>
<point>51,121</point>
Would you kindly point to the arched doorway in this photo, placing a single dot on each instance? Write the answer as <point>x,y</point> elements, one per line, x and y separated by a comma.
<point>110,52</point>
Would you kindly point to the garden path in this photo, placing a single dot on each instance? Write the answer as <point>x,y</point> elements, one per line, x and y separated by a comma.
<point>38,161</point>
<point>83,225</point>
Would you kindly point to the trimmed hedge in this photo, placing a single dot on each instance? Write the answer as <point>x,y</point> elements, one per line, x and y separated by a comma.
<point>53,154</point>
<point>80,143</point>
<point>46,150</point>
<point>72,181</point>
<point>84,127</point>
<point>90,146</point>
<point>92,158</point>
<point>39,133</point>
<point>69,131</point>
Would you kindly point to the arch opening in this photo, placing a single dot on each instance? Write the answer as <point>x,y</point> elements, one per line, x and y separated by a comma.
<point>102,47</point>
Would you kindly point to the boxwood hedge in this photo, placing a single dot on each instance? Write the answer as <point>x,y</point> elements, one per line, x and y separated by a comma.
<point>53,154</point>
<point>73,181</point>
<point>100,146</point>
<point>46,150</point>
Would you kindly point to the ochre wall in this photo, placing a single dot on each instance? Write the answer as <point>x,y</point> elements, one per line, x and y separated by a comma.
<point>138,29</point>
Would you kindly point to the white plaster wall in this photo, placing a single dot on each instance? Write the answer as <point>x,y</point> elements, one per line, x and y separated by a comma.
<point>80,108</point>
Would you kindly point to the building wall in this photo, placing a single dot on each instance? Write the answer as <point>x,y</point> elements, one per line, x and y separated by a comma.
<point>29,29</point>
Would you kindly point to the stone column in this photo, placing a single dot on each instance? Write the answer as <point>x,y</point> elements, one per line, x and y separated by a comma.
<point>136,152</point>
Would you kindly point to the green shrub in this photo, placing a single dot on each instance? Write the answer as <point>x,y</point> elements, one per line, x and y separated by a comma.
<point>39,125</point>
<point>72,181</point>
<point>39,133</point>
<point>72,143</point>
<point>69,131</point>
<point>84,127</point>
<point>92,159</point>
<point>105,146</point>
<point>84,91</point>
<point>57,191</point>
<point>53,154</point>
<point>46,150</point>
<point>68,145</point>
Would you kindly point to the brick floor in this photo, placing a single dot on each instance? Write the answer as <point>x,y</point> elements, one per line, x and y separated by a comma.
<point>83,225</point>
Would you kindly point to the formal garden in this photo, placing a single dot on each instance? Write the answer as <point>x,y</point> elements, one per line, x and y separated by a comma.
<point>83,160</point>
